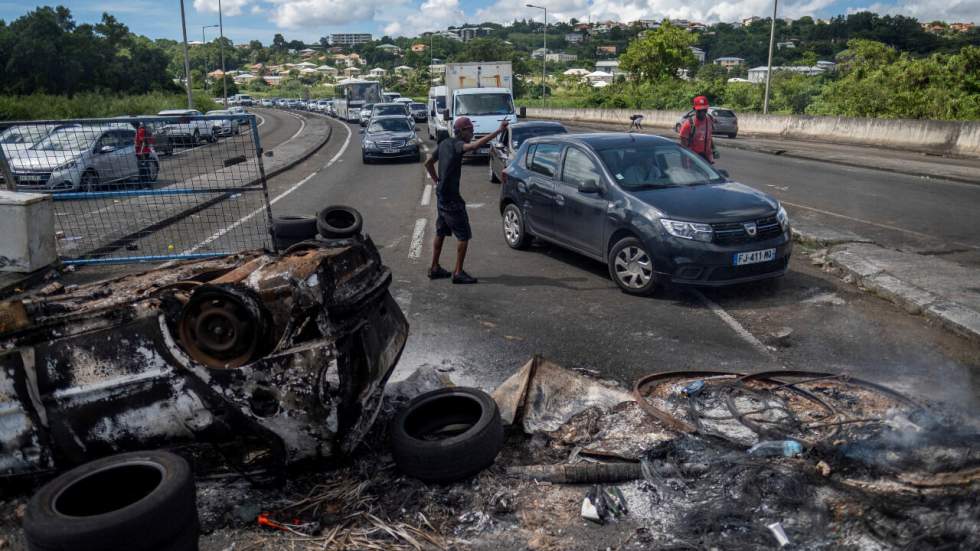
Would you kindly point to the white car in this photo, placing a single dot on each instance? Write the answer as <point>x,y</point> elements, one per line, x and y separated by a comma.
<point>225,127</point>
<point>81,158</point>
<point>184,129</point>
<point>267,103</point>
<point>16,139</point>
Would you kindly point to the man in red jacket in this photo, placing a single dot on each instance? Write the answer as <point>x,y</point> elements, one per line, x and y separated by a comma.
<point>696,131</point>
<point>144,141</point>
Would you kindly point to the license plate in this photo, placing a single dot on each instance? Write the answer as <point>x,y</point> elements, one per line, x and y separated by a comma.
<point>32,178</point>
<point>389,151</point>
<point>484,150</point>
<point>754,257</point>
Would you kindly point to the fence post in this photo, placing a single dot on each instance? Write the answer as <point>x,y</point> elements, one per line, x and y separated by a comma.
<point>265,184</point>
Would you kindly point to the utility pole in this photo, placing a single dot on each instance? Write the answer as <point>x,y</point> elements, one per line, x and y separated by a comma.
<point>772,39</point>
<point>224,78</point>
<point>544,55</point>
<point>187,60</point>
<point>204,44</point>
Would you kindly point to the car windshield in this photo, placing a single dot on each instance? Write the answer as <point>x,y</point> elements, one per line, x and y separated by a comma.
<point>27,135</point>
<point>389,110</point>
<point>440,102</point>
<point>390,125</point>
<point>75,139</point>
<point>518,135</point>
<point>639,166</point>
<point>218,112</point>
<point>418,107</point>
<point>363,92</point>
<point>484,104</point>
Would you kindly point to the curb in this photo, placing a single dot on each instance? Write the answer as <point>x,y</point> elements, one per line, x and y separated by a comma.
<point>305,155</point>
<point>869,276</point>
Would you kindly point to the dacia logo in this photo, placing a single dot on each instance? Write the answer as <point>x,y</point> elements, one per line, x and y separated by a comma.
<point>750,228</point>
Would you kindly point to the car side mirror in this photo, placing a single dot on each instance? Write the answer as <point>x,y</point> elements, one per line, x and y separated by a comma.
<point>723,172</point>
<point>445,115</point>
<point>432,113</point>
<point>360,130</point>
<point>589,186</point>
<point>106,149</point>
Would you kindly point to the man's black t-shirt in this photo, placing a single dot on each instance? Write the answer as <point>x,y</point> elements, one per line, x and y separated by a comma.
<point>449,153</point>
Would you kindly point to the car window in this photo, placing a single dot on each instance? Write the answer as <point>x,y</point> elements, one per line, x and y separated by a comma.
<point>545,159</point>
<point>723,113</point>
<point>519,135</point>
<point>657,165</point>
<point>579,168</point>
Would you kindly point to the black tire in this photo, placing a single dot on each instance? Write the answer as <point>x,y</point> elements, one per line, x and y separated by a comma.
<point>732,135</point>
<point>339,222</point>
<point>519,238</point>
<point>677,128</point>
<point>90,181</point>
<point>632,284</point>
<point>140,501</point>
<point>213,137</point>
<point>197,137</point>
<point>149,172</point>
<point>456,456</point>
<point>365,160</point>
<point>493,175</point>
<point>294,227</point>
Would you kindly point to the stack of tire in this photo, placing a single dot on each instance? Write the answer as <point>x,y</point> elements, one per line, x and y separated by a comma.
<point>140,501</point>
<point>333,222</point>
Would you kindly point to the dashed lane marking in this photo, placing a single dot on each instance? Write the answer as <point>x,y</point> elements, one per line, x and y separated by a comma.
<point>222,232</point>
<point>426,195</point>
<point>415,249</point>
<point>739,329</point>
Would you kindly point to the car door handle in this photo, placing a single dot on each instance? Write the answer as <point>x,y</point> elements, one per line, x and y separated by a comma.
<point>560,199</point>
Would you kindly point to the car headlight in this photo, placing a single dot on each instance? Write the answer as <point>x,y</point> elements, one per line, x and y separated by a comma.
<point>687,230</point>
<point>369,143</point>
<point>67,166</point>
<point>783,218</point>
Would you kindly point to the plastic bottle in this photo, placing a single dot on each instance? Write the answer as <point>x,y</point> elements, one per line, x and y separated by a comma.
<point>772,448</point>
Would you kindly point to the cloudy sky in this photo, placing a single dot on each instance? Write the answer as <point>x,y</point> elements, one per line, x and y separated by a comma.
<point>308,20</point>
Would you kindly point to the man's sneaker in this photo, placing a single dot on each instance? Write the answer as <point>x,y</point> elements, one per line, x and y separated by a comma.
<point>463,278</point>
<point>439,273</point>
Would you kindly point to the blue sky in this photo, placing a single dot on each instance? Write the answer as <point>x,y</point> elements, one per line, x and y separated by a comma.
<point>308,20</point>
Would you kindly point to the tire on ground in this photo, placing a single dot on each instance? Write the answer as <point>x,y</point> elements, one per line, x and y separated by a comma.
<point>339,222</point>
<point>294,227</point>
<point>425,438</point>
<point>139,501</point>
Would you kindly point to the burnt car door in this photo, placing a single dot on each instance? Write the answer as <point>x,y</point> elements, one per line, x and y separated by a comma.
<point>580,205</point>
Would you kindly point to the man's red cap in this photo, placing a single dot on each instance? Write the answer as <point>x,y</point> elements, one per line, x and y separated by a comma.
<point>461,123</point>
<point>700,103</point>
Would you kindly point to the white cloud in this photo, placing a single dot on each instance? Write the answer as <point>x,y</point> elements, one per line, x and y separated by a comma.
<point>257,9</point>
<point>393,29</point>
<point>228,7</point>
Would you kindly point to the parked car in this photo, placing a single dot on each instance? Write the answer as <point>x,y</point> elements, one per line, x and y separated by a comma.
<point>651,210</point>
<point>725,121</point>
<point>16,139</point>
<point>81,158</point>
<point>186,130</point>
<point>505,144</point>
<point>225,127</point>
<point>390,137</point>
<point>365,113</point>
<point>418,111</point>
<point>267,103</point>
<point>159,139</point>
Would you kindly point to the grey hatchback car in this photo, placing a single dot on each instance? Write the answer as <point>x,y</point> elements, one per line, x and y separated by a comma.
<point>725,121</point>
<point>651,210</point>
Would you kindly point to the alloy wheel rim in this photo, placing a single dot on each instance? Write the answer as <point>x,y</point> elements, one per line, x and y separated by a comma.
<point>512,230</point>
<point>634,269</point>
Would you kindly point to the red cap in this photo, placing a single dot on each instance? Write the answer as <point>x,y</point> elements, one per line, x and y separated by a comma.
<point>461,123</point>
<point>700,103</point>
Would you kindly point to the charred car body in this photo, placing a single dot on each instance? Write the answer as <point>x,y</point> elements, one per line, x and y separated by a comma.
<point>264,358</point>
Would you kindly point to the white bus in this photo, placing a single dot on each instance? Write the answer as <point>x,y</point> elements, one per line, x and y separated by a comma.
<point>350,94</point>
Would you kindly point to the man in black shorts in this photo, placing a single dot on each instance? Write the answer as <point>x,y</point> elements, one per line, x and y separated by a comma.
<point>453,219</point>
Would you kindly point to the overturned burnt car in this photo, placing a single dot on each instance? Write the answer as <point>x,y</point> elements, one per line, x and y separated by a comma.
<point>257,359</point>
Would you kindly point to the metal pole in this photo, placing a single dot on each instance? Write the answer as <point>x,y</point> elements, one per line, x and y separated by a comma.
<point>224,78</point>
<point>187,60</point>
<point>544,60</point>
<point>772,39</point>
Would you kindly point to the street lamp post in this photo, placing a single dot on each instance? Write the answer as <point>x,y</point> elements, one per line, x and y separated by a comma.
<point>544,55</point>
<point>187,59</point>
<point>772,38</point>
<point>204,44</point>
<point>221,46</point>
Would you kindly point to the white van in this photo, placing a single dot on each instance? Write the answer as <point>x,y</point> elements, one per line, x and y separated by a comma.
<point>437,104</point>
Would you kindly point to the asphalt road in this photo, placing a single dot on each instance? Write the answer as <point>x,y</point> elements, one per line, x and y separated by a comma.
<point>555,303</point>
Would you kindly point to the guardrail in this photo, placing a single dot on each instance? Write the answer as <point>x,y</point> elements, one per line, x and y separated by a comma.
<point>144,189</point>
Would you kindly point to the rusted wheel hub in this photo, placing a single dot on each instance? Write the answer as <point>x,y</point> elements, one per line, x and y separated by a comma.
<point>219,328</point>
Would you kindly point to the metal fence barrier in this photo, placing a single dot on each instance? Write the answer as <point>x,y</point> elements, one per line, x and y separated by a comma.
<point>144,189</point>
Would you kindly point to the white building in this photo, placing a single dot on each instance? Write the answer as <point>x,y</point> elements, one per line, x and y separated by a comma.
<point>610,66</point>
<point>349,39</point>
<point>576,72</point>
<point>403,70</point>
<point>729,62</point>
<point>758,74</point>
<point>560,57</point>
<point>698,53</point>
<point>377,72</point>
<point>599,76</point>
<point>539,53</point>
<point>327,70</point>
<point>390,48</point>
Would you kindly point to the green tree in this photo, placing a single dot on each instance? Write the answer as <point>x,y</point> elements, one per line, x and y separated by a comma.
<point>659,54</point>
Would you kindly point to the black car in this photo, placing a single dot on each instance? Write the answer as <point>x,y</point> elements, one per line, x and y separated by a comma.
<point>390,137</point>
<point>651,210</point>
<point>504,145</point>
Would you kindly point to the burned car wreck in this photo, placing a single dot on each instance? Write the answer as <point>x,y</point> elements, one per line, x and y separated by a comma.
<point>265,359</point>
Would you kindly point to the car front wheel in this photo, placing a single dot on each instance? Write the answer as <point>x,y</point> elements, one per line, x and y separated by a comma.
<point>631,267</point>
<point>90,181</point>
<point>514,233</point>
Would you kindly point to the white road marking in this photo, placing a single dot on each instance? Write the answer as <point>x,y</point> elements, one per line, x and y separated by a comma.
<point>739,329</point>
<point>426,195</point>
<point>885,226</point>
<point>415,249</point>
<point>302,126</point>
<point>258,116</point>
<point>222,232</point>
<point>181,152</point>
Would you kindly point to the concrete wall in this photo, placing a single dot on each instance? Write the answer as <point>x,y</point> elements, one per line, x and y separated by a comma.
<point>27,227</point>
<point>938,137</point>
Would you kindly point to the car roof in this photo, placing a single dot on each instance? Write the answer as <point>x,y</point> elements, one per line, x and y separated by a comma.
<point>605,140</point>
<point>176,111</point>
<point>388,117</point>
<point>536,124</point>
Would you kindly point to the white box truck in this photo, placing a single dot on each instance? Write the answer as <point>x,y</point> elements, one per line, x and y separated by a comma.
<point>482,91</point>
